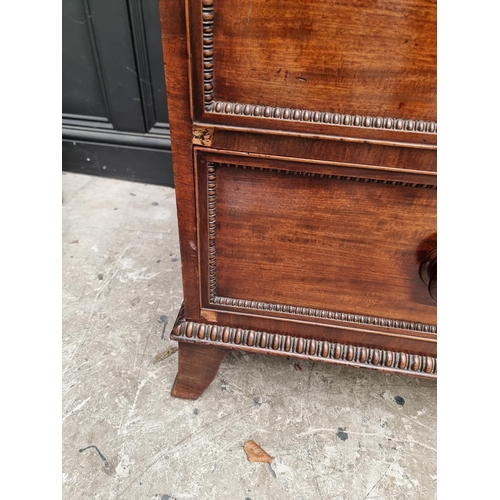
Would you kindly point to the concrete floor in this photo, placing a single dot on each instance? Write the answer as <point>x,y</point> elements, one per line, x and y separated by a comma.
<point>333,432</point>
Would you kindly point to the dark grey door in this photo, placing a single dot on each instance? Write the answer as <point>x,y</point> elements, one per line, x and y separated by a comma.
<point>115,118</point>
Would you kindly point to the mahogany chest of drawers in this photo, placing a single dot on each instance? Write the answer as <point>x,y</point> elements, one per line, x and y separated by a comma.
<point>304,150</point>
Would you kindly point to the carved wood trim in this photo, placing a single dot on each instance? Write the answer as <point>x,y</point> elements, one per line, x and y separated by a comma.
<point>208,52</point>
<point>277,113</point>
<point>330,176</point>
<point>288,309</point>
<point>321,313</point>
<point>310,349</point>
<point>212,215</point>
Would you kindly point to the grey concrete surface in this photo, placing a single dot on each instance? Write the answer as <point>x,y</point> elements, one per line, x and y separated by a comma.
<point>333,432</point>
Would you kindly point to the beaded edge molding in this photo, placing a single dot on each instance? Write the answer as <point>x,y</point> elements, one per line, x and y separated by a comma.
<point>289,114</point>
<point>366,180</point>
<point>311,349</point>
<point>341,119</point>
<point>296,310</point>
<point>207,16</point>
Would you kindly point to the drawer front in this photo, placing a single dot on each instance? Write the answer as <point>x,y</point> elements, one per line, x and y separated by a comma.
<point>329,244</point>
<point>365,69</point>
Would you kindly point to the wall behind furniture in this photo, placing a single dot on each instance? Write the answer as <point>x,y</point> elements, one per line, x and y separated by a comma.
<point>115,118</point>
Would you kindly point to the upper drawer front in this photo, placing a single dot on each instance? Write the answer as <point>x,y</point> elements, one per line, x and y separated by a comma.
<point>360,69</point>
<point>328,244</point>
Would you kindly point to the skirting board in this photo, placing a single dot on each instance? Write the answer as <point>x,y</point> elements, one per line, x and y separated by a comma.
<point>302,348</point>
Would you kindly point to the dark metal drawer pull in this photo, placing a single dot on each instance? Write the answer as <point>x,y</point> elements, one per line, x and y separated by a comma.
<point>428,273</point>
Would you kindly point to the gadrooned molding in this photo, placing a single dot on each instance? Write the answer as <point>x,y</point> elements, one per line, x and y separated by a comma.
<point>311,349</point>
<point>288,309</point>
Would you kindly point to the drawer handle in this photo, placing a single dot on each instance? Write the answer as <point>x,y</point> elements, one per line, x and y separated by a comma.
<point>428,273</point>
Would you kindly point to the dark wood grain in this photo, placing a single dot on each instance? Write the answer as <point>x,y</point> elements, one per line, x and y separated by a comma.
<point>347,131</point>
<point>359,69</point>
<point>422,343</point>
<point>304,146</point>
<point>210,336</point>
<point>363,58</point>
<point>198,366</point>
<point>334,149</point>
<point>175,51</point>
<point>308,231</point>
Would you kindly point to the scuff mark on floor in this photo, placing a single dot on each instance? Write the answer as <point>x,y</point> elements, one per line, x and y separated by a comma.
<point>76,408</point>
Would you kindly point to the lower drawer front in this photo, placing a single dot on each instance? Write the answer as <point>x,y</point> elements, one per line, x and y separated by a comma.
<point>306,242</point>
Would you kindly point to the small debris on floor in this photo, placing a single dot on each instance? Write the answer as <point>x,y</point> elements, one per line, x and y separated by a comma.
<point>106,463</point>
<point>297,366</point>
<point>255,453</point>
<point>341,434</point>
<point>399,400</point>
<point>165,354</point>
